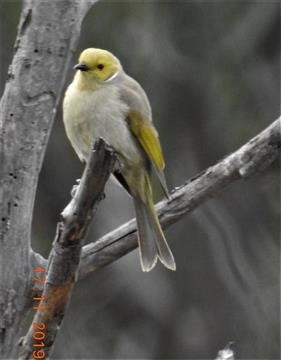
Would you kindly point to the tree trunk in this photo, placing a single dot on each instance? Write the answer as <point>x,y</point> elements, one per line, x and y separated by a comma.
<point>47,37</point>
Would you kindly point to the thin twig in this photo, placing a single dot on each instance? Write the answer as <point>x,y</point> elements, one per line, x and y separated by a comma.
<point>64,258</point>
<point>227,353</point>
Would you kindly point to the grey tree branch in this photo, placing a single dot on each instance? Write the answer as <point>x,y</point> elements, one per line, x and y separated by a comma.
<point>65,255</point>
<point>47,36</point>
<point>253,157</point>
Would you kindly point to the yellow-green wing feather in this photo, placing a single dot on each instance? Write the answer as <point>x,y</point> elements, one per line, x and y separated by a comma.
<point>147,135</point>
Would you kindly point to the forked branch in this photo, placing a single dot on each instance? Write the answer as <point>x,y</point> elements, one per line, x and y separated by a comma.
<point>253,157</point>
<point>64,258</point>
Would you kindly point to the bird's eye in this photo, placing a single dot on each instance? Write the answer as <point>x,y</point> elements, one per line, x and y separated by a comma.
<point>100,66</point>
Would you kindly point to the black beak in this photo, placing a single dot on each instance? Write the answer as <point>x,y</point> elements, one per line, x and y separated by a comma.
<point>82,67</point>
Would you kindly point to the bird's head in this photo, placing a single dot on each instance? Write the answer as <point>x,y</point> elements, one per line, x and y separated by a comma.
<point>97,66</point>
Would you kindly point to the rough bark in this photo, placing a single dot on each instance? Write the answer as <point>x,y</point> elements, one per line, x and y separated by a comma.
<point>65,255</point>
<point>47,37</point>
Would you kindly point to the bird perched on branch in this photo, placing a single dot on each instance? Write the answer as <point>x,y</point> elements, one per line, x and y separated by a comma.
<point>104,102</point>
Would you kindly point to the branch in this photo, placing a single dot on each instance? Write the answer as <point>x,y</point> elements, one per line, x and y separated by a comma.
<point>252,158</point>
<point>65,255</point>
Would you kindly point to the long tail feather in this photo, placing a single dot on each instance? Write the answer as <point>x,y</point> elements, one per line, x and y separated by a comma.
<point>147,245</point>
<point>152,242</point>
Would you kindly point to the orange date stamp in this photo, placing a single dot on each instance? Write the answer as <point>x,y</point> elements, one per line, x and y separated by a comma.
<point>39,330</point>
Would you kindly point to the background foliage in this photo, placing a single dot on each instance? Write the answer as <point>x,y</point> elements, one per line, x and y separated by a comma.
<point>211,71</point>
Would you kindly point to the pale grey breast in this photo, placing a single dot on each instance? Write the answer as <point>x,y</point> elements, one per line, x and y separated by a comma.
<point>95,114</point>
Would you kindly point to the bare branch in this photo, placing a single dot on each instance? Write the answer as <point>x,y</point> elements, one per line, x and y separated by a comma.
<point>255,156</point>
<point>65,255</point>
<point>247,161</point>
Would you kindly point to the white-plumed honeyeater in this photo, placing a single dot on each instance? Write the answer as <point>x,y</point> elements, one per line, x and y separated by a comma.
<point>104,102</point>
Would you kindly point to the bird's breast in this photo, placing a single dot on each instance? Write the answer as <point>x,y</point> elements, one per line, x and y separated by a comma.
<point>90,115</point>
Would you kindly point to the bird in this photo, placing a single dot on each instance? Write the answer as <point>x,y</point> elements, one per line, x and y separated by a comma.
<point>103,101</point>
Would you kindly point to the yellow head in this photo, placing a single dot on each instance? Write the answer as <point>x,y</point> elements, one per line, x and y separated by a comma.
<point>97,66</point>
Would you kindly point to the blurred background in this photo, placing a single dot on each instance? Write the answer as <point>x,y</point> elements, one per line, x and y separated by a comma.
<point>212,72</point>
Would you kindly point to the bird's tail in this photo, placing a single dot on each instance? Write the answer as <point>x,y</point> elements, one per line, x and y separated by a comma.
<point>152,242</point>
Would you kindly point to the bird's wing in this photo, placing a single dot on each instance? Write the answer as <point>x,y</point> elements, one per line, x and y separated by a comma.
<point>140,124</point>
<point>147,136</point>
